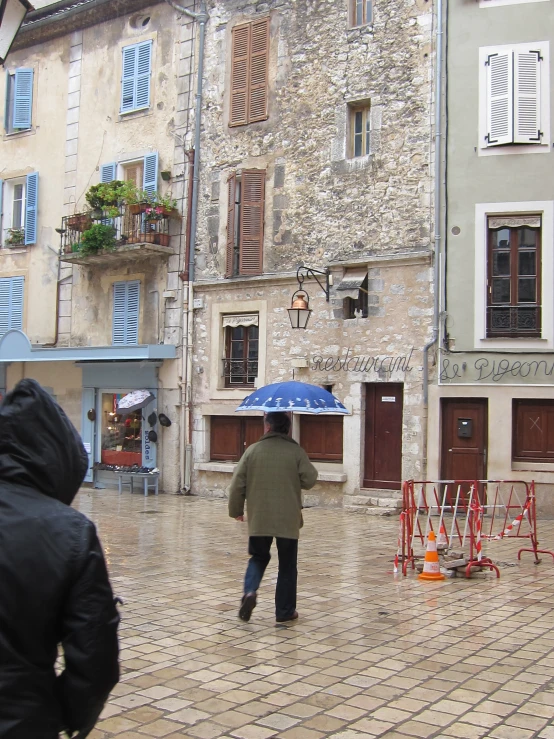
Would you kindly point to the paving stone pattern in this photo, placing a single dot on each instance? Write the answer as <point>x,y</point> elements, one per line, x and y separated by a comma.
<point>372,655</point>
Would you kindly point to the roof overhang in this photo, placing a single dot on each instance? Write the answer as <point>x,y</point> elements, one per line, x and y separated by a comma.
<point>16,347</point>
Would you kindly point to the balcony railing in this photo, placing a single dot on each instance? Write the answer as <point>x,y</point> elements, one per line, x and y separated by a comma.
<point>133,226</point>
<point>519,320</point>
<point>240,372</point>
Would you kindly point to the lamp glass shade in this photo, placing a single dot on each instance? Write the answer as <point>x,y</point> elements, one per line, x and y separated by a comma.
<point>299,317</point>
<point>11,20</point>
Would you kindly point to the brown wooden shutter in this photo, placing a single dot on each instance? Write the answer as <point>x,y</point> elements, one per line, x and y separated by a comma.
<point>252,221</point>
<point>321,437</point>
<point>258,67</point>
<point>230,250</point>
<point>225,439</point>
<point>253,430</point>
<point>240,72</point>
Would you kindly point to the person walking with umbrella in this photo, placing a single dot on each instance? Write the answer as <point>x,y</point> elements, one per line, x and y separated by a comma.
<point>269,479</point>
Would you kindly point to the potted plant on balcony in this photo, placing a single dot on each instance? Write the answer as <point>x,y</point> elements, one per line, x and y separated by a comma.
<point>107,198</point>
<point>15,237</point>
<point>79,222</point>
<point>99,237</point>
<point>154,215</point>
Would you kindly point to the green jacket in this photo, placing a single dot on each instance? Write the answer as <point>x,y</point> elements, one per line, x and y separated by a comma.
<point>270,476</point>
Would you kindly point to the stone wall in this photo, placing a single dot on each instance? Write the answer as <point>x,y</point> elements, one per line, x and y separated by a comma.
<point>321,206</point>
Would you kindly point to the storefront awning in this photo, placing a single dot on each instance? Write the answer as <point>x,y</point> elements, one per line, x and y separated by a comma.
<point>16,347</point>
<point>351,283</point>
<point>240,319</point>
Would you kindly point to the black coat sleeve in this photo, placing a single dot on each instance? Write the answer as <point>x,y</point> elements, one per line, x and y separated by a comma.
<point>89,639</point>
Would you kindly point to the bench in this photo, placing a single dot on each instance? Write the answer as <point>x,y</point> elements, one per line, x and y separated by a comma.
<point>150,480</point>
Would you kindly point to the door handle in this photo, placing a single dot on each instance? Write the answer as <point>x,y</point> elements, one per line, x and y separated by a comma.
<point>450,450</point>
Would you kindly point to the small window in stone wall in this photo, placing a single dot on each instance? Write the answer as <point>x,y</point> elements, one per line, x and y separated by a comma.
<point>361,12</point>
<point>355,305</point>
<point>360,130</point>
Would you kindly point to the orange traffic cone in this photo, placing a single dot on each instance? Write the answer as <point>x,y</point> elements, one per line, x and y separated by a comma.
<point>442,539</point>
<point>431,569</point>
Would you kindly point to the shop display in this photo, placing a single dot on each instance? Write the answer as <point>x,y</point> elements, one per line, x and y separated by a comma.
<point>121,435</point>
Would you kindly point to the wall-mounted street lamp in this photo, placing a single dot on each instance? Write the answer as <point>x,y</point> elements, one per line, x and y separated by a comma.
<point>299,311</point>
<point>12,15</point>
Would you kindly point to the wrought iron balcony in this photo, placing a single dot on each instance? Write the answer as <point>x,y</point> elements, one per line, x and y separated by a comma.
<point>124,233</point>
<point>240,372</point>
<point>513,321</point>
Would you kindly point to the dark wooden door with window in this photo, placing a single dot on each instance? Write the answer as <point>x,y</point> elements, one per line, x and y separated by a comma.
<point>383,436</point>
<point>464,439</point>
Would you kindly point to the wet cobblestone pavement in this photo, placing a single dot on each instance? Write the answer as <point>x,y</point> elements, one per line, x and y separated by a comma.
<point>372,654</point>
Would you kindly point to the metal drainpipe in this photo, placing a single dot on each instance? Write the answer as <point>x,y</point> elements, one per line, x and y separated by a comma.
<point>437,228</point>
<point>185,449</point>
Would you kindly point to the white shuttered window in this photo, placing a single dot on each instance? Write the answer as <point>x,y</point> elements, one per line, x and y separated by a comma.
<point>11,303</point>
<point>513,96</point>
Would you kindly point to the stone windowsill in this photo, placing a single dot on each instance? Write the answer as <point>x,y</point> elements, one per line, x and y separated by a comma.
<point>229,468</point>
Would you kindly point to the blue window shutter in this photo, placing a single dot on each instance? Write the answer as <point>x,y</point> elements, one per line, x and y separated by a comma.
<point>23,98</point>
<point>128,78</point>
<point>11,303</point>
<point>126,304</point>
<point>31,208</point>
<point>144,61</point>
<point>150,177</point>
<point>107,172</point>
<point>7,102</point>
<point>132,323</point>
<point>16,314</point>
<point>1,203</point>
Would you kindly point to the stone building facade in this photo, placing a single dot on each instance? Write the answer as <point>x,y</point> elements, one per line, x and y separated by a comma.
<point>331,169</point>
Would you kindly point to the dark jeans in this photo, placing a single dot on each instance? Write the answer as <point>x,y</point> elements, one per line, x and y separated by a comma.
<point>285,593</point>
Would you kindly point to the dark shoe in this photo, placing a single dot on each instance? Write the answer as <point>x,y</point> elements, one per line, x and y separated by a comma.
<point>247,605</point>
<point>288,618</point>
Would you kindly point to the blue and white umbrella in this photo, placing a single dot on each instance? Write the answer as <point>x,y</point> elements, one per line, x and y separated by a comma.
<point>290,397</point>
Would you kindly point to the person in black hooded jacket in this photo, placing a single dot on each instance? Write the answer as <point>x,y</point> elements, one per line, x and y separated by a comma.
<point>54,586</point>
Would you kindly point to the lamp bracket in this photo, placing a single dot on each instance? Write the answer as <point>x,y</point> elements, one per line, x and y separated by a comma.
<point>309,272</point>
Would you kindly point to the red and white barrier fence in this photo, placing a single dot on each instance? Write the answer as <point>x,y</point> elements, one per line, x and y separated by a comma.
<point>468,512</point>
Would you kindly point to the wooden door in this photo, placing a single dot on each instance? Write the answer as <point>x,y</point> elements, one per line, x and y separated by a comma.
<point>464,439</point>
<point>383,436</point>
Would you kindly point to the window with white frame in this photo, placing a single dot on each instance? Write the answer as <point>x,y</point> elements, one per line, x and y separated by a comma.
<point>19,100</point>
<point>18,210</point>
<point>241,341</point>
<point>514,98</point>
<point>514,264</point>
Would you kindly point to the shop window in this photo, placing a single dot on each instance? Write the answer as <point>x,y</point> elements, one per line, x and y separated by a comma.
<point>249,72</point>
<point>533,430</point>
<point>321,437</point>
<point>240,364</point>
<point>245,223</point>
<point>19,100</point>
<point>360,12</point>
<point>230,436</point>
<point>514,276</point>
<point>121,434</point>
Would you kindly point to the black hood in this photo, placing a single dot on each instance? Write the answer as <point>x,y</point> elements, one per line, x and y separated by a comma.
<point>39,446</point>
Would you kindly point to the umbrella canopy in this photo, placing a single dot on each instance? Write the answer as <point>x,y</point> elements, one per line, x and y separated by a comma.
<point>134,401</point>
<point>290,397</point>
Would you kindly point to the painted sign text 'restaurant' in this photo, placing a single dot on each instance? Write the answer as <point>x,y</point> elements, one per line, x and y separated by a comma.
<point>362,363</point>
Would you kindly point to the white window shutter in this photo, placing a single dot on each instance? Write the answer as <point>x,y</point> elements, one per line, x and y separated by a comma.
<point>144,56</point>
<point>527,103</point>
<point>16,317</point>
<point>11,303</point>
<point>500,100</point>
